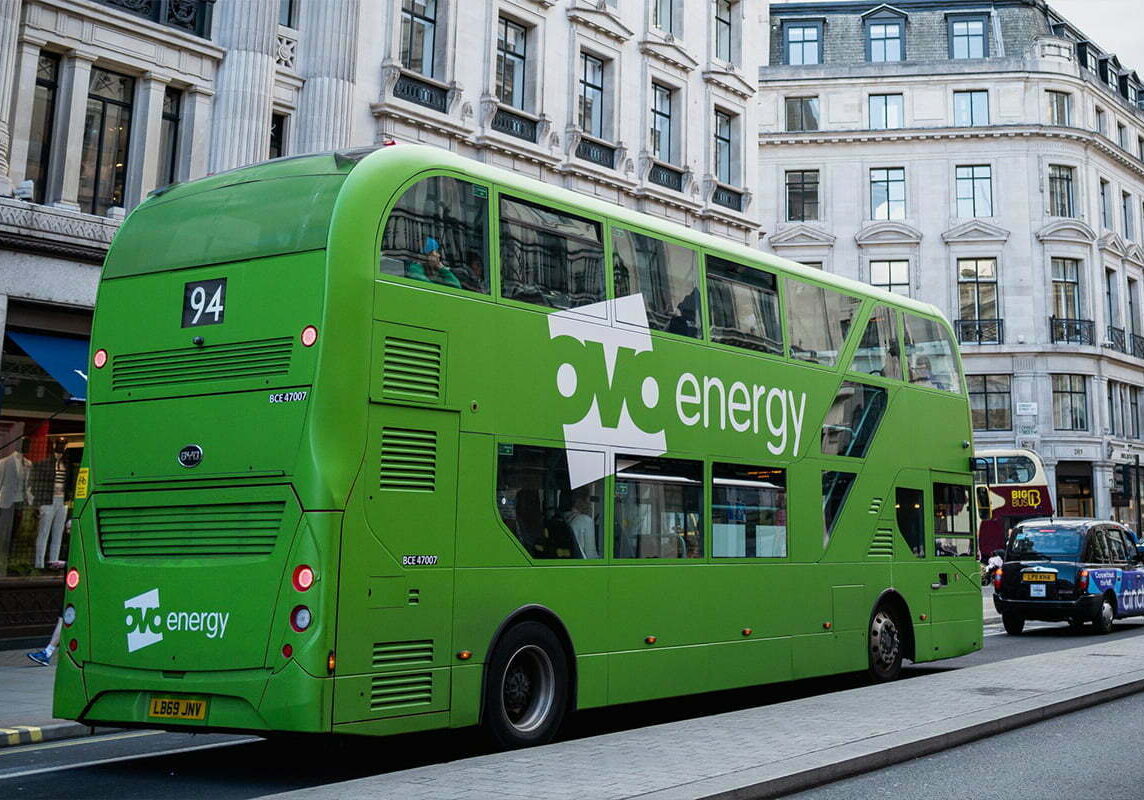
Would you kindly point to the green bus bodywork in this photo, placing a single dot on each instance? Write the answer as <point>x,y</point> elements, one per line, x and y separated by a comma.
<point>186,572</point>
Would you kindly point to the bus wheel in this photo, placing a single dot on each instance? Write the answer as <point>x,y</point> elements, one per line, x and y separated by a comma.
<point>1014,624</point>
<point>885,646</point>
<point>526,687</point>
<point>1103,621</point>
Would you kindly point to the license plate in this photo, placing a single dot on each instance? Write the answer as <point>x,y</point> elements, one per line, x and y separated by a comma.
<point>1039,577</point>
<point>1037,590</point>
<point>177,708</point>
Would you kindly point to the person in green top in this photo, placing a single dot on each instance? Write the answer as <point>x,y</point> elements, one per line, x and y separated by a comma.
<point>430,267</point>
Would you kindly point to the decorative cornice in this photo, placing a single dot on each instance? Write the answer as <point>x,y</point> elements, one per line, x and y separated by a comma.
<point>1112,243</point>
<point>802,235</point>
<point>1135,254</point>
<point>975,230</point>
<point>884,8</point>
<point>728,78</point>
<point>669,51</point>
<point>887,233</point>
<point>1071,231</point>
<point>43,229</point>
<point>600,19</point>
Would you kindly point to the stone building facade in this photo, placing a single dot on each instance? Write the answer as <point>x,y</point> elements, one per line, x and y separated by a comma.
<point>986,158</point>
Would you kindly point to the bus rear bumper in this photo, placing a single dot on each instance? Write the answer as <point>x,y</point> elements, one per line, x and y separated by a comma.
<point>254,700</point>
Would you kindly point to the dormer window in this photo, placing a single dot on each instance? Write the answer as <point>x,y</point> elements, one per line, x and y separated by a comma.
<point>885,35</point>
<point>803,42</point>
<point>968,37</point>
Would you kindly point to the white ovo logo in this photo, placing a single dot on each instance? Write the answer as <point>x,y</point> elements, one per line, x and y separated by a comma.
<point>144,621</point>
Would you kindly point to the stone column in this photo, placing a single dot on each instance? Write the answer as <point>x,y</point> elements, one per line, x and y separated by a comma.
<point>23,103</point>
<point>245,82</point>
<point>9,32</point>
<point>327,49</point>
<point>67,142</point>
<point>195,135</point>
<point>146,159</point>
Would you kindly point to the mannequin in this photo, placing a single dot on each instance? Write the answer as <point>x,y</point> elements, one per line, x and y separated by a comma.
<point>14,492</point>
<point>52,482</point>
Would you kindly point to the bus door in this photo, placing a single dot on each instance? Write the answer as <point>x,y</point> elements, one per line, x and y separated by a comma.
<point>396,592</point>
<point>955,595</point>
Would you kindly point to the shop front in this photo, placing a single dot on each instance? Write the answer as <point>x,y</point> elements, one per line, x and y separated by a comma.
<point>1074,489</point>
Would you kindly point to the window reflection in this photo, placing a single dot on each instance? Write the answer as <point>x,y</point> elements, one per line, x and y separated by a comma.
<point>659,508</point>
<point>818,320</point>
<point>852,419</point>
<point>665,274</point>
<point>748,512</point>
<point>930,354</point>
<point>744,305</point>
<point>877,353</point>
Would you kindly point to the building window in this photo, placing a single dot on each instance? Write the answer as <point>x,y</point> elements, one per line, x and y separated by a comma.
<point>967,38</point>
<point>169,135</point>
<point>888,193</point>
<point>418,35</point>
<point>1101,125</point>
<point>288,12</point>
<point>1133,303</point>
<point>724,150</point>
<point>1060,108</point>
<point>1122,135</point>
<point>1105,206</point>
<point>991,402</point>
<point>977,288</point>
<point>886,112</point>
<point>1111,300</point>
<point>664,12</point>
<point>893,276</point>
<point>1126,208</point>
<point>103,168</point>
<point>1070,403</point>
<point>975,191</point>
<point>43,122</point>
<point>277,135</point>
<point>802,113</point>
<point>1061,191</point>
<point>971,108</point>
<point>591,99</point>
<point>802,195</point>
<point>661,121</point>
<point>803,43</point>
<point>724,26</point>
<point>884,41</point>
<point>1066,288</point>
<point>511,55</point>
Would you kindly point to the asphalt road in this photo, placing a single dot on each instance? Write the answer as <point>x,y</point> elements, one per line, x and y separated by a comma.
<point>152,764</point>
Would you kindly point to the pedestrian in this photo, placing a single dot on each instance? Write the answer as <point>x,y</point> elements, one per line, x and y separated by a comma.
<point>44,657</point>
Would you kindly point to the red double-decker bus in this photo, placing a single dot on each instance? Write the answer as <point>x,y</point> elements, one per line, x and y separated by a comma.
<point>1011,485</point>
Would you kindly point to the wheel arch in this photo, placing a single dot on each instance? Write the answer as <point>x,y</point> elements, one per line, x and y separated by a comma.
<point>534,612</point>
<point>893,600</point>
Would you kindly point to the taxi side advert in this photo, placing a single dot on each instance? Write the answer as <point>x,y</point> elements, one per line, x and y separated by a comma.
<point>1074,570</point>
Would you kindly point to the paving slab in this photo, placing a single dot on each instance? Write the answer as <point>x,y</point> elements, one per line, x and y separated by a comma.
<point>785,747</point>
<point>26,703</point>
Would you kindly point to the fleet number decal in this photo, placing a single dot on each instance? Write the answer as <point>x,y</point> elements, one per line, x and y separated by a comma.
<point>288,397</point>
<point>418,561</point>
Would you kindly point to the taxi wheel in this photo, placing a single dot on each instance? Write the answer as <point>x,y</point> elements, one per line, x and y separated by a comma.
<point>1014,624</point>
<point>885,646</point>
<point>526,687</point>
<point>1103,621</point>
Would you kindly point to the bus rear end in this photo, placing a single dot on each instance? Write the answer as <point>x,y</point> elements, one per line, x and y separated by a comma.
<point>1011,486</point>
<point>203,588</point>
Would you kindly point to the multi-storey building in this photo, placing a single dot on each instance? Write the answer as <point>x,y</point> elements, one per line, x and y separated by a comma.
<point>650,104</point>
<point>985,157</point>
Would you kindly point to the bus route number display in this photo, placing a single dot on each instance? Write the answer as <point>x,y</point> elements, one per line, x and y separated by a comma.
<point>204,302</point>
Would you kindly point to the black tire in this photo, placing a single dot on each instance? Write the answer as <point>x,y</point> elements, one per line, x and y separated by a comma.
<point>526,687</point>
<point>1102,622</point>
<point>885,645</point>
<point>1014,623</point>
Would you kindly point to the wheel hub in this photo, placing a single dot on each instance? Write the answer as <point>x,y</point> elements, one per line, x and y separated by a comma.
<point>528,689</point>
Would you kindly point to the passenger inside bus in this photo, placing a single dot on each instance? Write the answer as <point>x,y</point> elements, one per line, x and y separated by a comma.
<point>430,268</point>
<point>472,273</point>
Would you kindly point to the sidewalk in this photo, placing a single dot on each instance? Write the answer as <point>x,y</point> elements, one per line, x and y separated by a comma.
<point>989,613</point>
<point>782,748</point>
<point>26,702</point>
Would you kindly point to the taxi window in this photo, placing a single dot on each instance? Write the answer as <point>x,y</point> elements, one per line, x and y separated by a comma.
<point>1097,548</point>
<point>1047,542</point>
<point>1115,545</point>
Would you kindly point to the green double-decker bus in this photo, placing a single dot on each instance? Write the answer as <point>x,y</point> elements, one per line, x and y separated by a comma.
<point>383,441</point>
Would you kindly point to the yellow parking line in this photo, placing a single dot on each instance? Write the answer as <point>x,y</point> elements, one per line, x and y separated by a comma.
<point>34,733</point>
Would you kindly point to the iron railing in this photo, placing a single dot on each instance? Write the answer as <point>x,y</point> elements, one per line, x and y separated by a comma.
<point>1071,331</point>
<point>980,331</point>
<point>192,16</point>
<point>1116,339</point>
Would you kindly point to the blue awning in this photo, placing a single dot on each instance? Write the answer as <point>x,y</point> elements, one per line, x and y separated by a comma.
<point>63,358</point>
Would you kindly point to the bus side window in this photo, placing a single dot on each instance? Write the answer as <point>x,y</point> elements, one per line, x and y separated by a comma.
<point>538,504</point>
<point>911,519</point>
<point>952,520</point>
<point>549,257</point>
<point>665,274</point>
<point>748,512</point>
<point>744,305</point>
<point>835,489</point>
<point>930,355</point>
<point>877,352</point>
<point>818,320</point>
<point>659,508</point>
<point>438,233</point>
<point>852,419</point>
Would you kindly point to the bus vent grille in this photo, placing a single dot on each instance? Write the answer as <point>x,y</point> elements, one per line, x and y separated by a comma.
<point>883,544</point>
<point>411,370</point>
<point>253,359</point>
<point>391,691</point>
<point>402,654</point>
<point>408,460</point>
<point>876,505</point>
<point>224,529</point>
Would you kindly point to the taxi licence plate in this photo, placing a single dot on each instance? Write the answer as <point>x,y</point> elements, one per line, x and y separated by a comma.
<point>177,708</point>
<point>1039,577</point>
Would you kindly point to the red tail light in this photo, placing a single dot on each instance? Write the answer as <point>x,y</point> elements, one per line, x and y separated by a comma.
<point>997,578</point>
<point>1082,581</point>
<point>72,579</point>
<point>303,577</point>
<point>100,358</point>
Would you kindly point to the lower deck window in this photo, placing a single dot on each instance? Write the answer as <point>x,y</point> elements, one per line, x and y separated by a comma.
<point>538,504</point>
<point>659,508</point>
<point>952,520</point>
<point>911,519</point>
<point>748,512</point>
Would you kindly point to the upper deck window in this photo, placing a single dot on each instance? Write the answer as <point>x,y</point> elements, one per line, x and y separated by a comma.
<point>549,257</point>
<point>930,355</point>
<point>878,352</point>
<point>818,320</point>
<point>665,274</point>
<point>438,233</point>
<point>744,305</point>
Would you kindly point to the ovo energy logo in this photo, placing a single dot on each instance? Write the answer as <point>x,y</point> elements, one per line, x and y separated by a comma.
<point>635,422</point>
<point>146,623</point>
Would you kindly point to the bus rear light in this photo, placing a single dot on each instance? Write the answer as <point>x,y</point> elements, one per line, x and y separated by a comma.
<point>73,645</point>
<point>100,358</point>
<point>287,650</point>
<point>997,578</point>
<point>1082,581</point>
<point>72,579</point>
<point>69,615</point>
<point>300,618</point>
<point>309,336</point>
<point>303,577</point>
